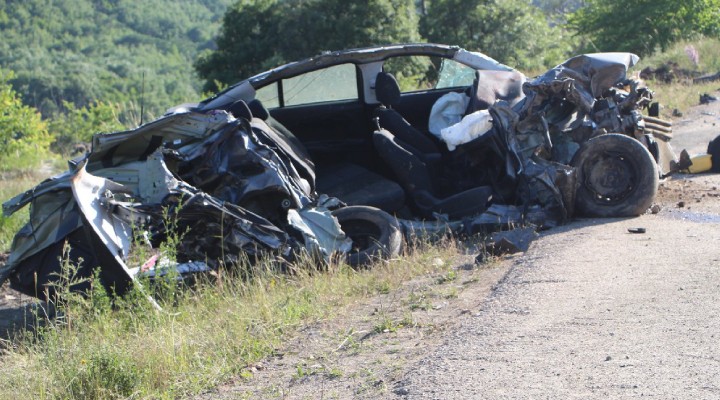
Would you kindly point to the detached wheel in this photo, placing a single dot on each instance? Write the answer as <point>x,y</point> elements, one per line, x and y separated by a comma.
<point>375,234</point>
<point>617,177</point>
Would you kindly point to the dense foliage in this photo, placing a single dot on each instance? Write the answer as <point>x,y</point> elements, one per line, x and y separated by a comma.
<point>512,31</point>
<point>643,26</point>
<point>260,34</point>
<point>23,134</point>
<point>74,128</point>
<point>79,51</point>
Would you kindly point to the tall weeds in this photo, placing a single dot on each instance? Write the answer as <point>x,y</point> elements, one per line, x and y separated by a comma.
<point>99,346</point>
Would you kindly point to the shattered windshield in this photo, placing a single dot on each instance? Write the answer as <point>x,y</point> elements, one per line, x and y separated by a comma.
<point>454,74</point>
<point>418,73</point>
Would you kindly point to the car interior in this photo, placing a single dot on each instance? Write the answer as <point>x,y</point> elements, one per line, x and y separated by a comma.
<point>381,153</point>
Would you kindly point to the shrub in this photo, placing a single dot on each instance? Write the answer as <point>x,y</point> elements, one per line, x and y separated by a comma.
<point>24,137</point>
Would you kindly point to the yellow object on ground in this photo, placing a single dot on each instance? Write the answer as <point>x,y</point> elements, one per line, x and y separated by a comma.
<point>700,163</point>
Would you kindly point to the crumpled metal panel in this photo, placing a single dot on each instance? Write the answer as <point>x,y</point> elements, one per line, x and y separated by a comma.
<point>171,131</point>
<point>237,167</point>
<point>321,233</point>
<point>594,73</point>
<point>537,137</point>
<point>128,188</point>
<point>91,194</point>
<point>53,216</point>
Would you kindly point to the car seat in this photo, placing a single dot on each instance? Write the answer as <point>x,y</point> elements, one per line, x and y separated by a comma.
<point>351,183</point>
<point>416,161</point>
<point>387,92</point>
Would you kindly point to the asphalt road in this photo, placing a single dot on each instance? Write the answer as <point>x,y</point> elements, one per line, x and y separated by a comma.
<point>592,311</point>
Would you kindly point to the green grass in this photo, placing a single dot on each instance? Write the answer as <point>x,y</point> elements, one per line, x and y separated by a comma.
<point>683,94</point>
<point>709,57</point>
<point>17,176</point>
<point>679,96</point>
<point>205,334</point>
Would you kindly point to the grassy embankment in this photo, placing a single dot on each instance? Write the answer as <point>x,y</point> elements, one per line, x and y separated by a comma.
<point>682,94</point>
<point>204,335</point>
<point>209,333</point>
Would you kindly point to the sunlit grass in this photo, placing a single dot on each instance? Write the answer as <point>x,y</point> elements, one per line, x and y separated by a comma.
<point>682,94</point>
<point>709,57</point>
<point>205,334</point>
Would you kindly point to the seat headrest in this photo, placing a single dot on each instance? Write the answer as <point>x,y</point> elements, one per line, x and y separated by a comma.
<point>239,109</point>
<point>258,109</point>
<point>387,89</point>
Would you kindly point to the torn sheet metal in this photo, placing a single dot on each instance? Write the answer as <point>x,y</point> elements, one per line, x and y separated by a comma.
<point>532,142</point>
<point>93,195</point>
<point>128,189</point>
<point>321,233</point>
<point>593,73</point>
<point>54,215</point>
<point>236,166</point>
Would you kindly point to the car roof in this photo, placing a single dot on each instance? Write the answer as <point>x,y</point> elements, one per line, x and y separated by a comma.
<point>326,59</point>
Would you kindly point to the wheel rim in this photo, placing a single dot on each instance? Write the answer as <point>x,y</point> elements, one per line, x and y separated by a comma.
<point>610,177</point>
<point>364,234</point>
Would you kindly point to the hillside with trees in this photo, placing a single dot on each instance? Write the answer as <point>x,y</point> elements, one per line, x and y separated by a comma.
<point>81,51</point>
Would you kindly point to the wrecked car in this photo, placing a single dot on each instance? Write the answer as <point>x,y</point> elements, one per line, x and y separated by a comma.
<point>342,153</point>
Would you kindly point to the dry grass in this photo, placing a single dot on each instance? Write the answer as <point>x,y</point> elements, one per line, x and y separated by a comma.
<point>205,334</point>
<point>682,94</point>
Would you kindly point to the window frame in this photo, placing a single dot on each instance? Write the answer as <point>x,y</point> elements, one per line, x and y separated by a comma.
<point>280,92</point>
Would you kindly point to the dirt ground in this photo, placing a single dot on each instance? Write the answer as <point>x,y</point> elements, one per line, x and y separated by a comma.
<point>590,310</point>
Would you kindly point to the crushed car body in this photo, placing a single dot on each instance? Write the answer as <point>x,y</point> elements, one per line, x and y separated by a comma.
<point>338,155</point>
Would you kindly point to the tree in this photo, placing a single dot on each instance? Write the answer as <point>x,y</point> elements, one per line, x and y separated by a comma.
<point>79,51</point>
<point>512,31</point>
<point>260,34</point>
<point>557,10</point>
<point>245,44</point>
<point>24,138</point>
<point>642,26</point>
<point>78,125</point>
<point>341,24</point>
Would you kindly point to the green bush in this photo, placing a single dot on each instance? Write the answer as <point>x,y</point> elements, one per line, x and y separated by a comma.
<point>77,125</point>
<point>107,373</point>
<point>24,137</point>
<point>643,26</point>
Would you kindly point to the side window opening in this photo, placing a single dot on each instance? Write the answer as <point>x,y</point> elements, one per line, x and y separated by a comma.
<point>414,73</point>
<point>336,83</point>
<point>268,95</point>
<point>418,73</point>
<point>454,74</point>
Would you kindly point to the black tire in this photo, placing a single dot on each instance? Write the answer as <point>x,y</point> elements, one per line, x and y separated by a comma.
<point>617,177</point>
<point>375,234</point>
